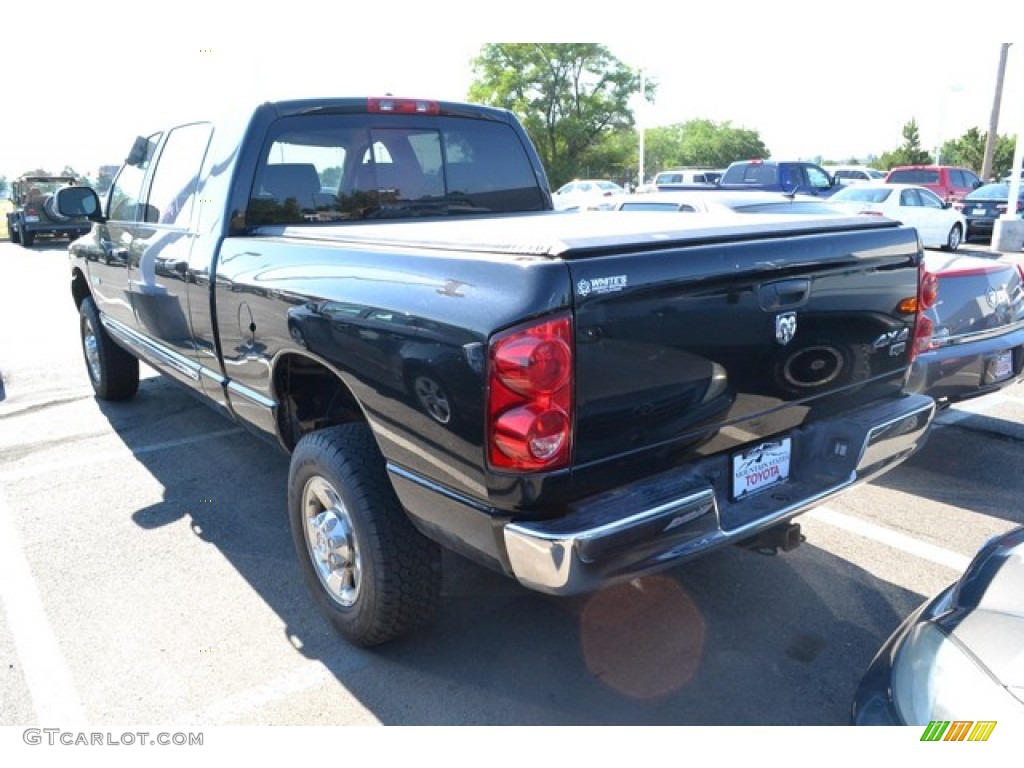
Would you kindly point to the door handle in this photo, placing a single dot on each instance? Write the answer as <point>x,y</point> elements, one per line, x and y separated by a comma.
<point>784,294</point>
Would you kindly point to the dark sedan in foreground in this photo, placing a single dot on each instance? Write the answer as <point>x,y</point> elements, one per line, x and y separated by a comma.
<point>974,344</point>
<point>984,205</point>
<point>960,656</point>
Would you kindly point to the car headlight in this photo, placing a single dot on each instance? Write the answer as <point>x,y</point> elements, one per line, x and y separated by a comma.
<point>935,678</point>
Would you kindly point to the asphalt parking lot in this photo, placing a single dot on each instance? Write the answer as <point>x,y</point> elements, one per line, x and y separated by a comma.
<point>147,577</point>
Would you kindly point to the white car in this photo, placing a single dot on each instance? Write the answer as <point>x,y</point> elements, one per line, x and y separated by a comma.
<point>727,201</point>
<point>588,195</point>
<point>855,174</point>
<point>937,222</point>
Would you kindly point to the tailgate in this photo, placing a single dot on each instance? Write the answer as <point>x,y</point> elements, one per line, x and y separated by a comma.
<point>708,346</point>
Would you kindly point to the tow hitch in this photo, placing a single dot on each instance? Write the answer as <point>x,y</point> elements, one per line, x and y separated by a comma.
<point>785,536</point>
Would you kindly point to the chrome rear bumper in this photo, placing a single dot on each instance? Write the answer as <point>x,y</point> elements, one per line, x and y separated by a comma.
<point>680,514</point>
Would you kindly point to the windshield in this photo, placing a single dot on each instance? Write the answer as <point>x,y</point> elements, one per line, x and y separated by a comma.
<point>991,192</point>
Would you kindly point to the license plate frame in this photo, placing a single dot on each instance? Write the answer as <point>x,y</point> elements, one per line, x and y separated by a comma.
<point>760,467</point>
<point>999,367</point>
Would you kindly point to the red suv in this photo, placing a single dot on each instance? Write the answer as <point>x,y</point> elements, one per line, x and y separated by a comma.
<point>947,181</point>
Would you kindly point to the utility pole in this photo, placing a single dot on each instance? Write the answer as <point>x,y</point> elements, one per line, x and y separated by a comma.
<point>993,122</point>
<point>642,126</point>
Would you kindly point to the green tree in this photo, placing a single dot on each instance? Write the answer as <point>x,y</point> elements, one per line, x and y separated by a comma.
<point>909,153</point>
<point>969,151</point>
<point>700,143</point>
<point>69,171</point>
<point>4,186</point>
<point>572,98</point>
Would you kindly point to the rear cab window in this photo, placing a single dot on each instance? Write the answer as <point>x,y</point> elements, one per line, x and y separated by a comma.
<point>914,176</point>
<point>345,168</point>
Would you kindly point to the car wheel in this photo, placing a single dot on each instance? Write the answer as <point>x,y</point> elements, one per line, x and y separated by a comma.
<point>113,372</point>
<point>28,239</point>
<point>370,571</point>
<point>954,238</point>
<point>12,232</point>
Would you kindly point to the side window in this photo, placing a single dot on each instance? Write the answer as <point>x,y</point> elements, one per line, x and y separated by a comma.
<point>929,199</point>
<point>125,198</point>
<point>972,180</point>
<point>176,177</point>
<point>817,177</point>
<point>956,179</point>
<point>908,197</point>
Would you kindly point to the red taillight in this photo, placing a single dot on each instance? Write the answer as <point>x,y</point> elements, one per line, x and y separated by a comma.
<point>929,291</point>
<point>529,399</point>
<point>924,327</point>
<point>402,106</point>
<point>31,212</point>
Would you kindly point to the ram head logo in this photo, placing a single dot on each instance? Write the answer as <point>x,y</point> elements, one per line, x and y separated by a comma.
<point>785,328</point>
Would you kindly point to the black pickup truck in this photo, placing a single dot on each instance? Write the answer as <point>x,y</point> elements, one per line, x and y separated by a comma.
<point>381,288</point>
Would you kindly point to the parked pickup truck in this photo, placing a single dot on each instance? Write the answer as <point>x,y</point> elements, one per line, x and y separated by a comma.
<point>796,177</point>
<point>382,289</point>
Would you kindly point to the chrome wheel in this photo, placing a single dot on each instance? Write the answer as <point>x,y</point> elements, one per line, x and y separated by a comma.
<point>92,351</point>
<point>331,542</point>
<point>433,399</point>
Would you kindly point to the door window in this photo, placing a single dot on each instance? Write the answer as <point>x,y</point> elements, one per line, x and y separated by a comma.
<point>125,201</point>
<point>176,177</point>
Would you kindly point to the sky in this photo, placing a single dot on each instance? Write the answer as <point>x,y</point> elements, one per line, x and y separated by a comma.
<point>782,69</point>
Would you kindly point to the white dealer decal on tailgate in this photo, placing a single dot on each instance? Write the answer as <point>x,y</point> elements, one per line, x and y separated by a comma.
<point>601,285</point>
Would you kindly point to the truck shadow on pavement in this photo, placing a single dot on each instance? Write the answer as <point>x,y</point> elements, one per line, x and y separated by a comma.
<point>734,638</point>
<point>958,466</point>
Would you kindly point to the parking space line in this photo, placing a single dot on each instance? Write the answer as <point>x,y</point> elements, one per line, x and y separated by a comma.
<point>47,675</point>
<point>309,677</point>
<point>891,538</point>
<point>103,457</point>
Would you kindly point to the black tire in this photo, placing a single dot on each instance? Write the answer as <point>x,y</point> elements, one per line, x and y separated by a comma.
<point>113,372</point>
<point>370,571</point>
<point>28,239</point>
<point>954,239</point>
<point>12,231</point>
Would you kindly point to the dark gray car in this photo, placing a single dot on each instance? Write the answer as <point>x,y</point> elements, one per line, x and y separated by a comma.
<point>958,658</point>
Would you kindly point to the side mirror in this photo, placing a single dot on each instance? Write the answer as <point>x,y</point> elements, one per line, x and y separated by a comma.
<point>79,202</point>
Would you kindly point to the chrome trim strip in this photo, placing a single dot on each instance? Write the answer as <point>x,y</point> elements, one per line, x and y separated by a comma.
<point>148,349</point>
<point>251,395</point>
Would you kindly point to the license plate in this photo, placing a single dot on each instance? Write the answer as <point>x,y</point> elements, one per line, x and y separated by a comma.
<point>32,219</point>
<point>1000,366</point>
<point>760,467</point>
<point>979,211</point>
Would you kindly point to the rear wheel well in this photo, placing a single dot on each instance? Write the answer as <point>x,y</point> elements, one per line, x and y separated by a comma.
<point>79,287</point>
<point>311,397</point>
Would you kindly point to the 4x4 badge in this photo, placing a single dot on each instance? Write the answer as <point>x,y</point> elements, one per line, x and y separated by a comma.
<point>785,328</point>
